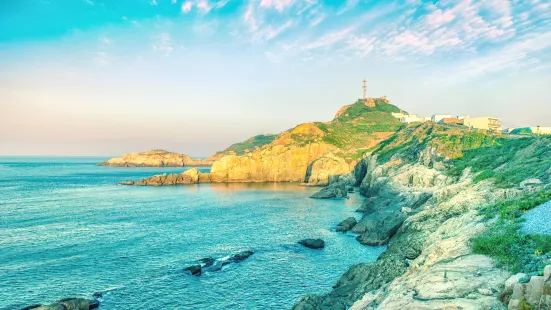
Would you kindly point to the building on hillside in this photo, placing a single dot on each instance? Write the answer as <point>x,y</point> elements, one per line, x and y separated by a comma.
<point>438,117</point>
<point>428,118</point>
<point>487,123</point>
<point>411,118</point>
<point>451,121</point>
<point>399,115</point>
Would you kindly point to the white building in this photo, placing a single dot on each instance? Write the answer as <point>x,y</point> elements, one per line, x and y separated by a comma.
<point>487,123</point>
<point>411,118</point>
<point>399,115</point>
<point>438,117</point>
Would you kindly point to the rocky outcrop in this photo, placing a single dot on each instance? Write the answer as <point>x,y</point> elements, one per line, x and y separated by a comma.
<point>321,169</point>
<point>215,264</point>
<point>281,161</point>
<point>346,224</point>
<point>339,187</point>
<point>155,158</point>
<point>533,294</point>
<point>427,219</point>
<point>191,176</point>
<point>312,243</point>
<point>67,304</point>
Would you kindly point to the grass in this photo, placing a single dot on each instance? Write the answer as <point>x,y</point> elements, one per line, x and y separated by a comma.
<point>249,144</point>
<point>508,161</point>
<point>505,243</point>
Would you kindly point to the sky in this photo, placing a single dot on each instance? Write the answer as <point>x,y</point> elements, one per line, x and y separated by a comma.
<point>108,77</point>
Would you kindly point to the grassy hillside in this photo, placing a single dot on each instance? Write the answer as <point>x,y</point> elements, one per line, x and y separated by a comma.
<point>355,129</point>
<point>506,162</point>
<point>249,144</point>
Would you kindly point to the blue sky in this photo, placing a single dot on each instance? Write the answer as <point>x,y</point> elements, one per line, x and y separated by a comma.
<point>106,77</point>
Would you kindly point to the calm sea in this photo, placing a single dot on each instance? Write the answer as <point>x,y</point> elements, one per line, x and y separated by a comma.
<point>67,229</point>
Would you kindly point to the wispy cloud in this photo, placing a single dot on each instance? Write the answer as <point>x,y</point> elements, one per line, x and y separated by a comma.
<point>279,5</point>
<point>163,44</point>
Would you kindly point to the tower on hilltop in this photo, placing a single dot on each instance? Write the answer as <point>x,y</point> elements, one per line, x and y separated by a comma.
<point>365,89</point>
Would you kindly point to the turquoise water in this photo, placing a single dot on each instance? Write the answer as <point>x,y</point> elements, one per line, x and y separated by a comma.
<point>67,229</point>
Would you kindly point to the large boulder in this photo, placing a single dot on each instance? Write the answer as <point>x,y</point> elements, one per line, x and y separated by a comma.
<point>346,224</point>
<point>312,243</point>
<point>334,190</point>
<point>194,269</point>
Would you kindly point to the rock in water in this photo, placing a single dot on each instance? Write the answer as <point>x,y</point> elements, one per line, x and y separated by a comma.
<point>312,243</point>
<point>194,270</point>
<point>347,224</point>
<point>241,256</point>
<point>68,304</point>
<point>207,261</point>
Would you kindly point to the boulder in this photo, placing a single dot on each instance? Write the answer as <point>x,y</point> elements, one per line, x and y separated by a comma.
<point>335,190</point>
<point>312,243</point>
<point>68,304</point>
<point>194,269</point>
<point>346,224</point>
<point>510,283</point>
<point>241,256</point>
<point>530,182</point>
<point>206,262</point>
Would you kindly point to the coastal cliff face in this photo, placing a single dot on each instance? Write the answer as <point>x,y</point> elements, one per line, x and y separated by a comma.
<point>425,204</point>
<point>155,158</point>
<point>309,153</point>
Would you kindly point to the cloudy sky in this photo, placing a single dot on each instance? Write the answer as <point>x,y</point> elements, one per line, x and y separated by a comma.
<point>106,77</point>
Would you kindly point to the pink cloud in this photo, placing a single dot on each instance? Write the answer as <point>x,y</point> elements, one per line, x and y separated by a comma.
<point>439,18</point>
<point>279,5</point>
<point>186,6</point>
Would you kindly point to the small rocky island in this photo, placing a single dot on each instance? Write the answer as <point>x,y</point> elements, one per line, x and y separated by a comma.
<point>156,158</point>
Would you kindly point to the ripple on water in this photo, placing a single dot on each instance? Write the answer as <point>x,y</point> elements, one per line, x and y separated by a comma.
<point>72,232</point>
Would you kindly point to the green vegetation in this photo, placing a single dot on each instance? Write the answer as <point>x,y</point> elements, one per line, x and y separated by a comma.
<point>522,131</point>
<point>249,144</point>
<point>508,161</point>
<point>450,142</point>
<point>357,125</point>
<point>503,240</point>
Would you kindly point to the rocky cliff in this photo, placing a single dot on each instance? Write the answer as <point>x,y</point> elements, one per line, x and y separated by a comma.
<point>155,158</point>
<point>424,190</point>
<point>311,152</point>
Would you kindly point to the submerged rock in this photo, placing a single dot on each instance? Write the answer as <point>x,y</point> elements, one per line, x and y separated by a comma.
<point>67,304</point>
<point>206,262</point>
<point>312,243</point>
<point>347,224</point>
<point>241,256</point>
<point>194,270</point>
<point>211,264</point>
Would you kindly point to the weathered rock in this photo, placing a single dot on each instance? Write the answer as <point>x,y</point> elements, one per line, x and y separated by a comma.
<point>512,281</point>
<point>241,256</point>
<point>321,169</point>
<point>191,176</point>
<point>155,158</point>
<point>334,190</point>
<point>346,224</point>
<point>67,304</point>
<point>530,182</point>
<point>312,243</point>
<point>194,269</point>
<point>206,262</point>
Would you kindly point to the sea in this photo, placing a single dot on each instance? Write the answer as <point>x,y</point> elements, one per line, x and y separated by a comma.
<point>68,230</point>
